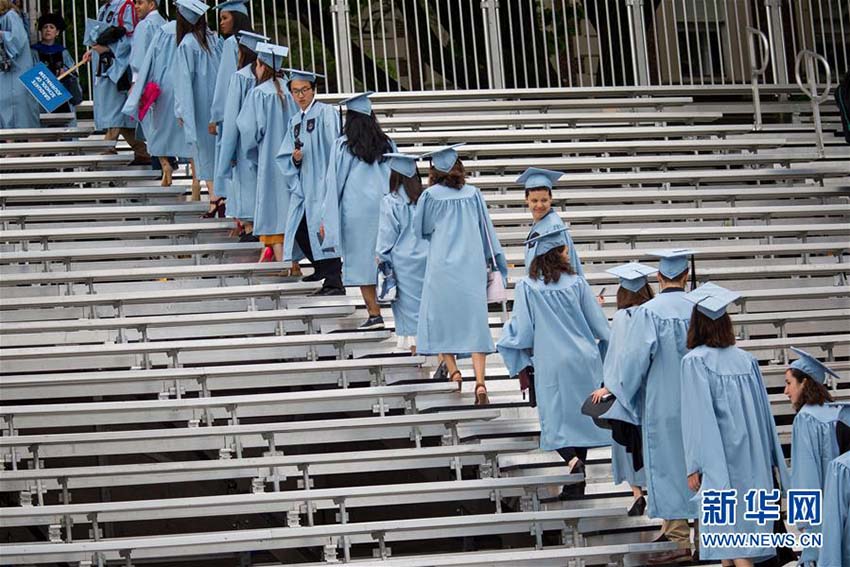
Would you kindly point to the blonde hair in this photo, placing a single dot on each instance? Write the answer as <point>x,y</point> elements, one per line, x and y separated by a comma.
<point>5,6</point>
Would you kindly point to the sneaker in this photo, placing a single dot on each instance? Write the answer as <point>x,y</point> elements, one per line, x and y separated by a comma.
<point>372,323</point>
<point>314,277</point>
<point>327,291</point>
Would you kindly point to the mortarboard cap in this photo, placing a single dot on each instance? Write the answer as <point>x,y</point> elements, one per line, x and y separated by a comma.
<point>632,276</point>
<point>443,159</point>
<point>547,238</point>
<point>405,164</point>
<point>301,75</point>
<point>844,414</point>
<point>534,177</point>
<point>55,19</point>
<point>712,300</point>
<point>673,262</point>
<point>233,6</point>
<point>93,29</point>
<point>192,10</point>
<point>271,54</point>
<point>811,366</point>
<point>360,103</point>
<point>250,39</point>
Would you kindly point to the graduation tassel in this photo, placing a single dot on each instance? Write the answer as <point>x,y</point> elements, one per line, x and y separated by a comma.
<point>693,273</point>
<point>340,117</point>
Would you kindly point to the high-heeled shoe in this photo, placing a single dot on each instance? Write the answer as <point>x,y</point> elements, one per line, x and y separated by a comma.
<point>481,397</point>
<point>459,380</point>
<point>638,507</point>
<point>268,254</point>
<point>217,210</point>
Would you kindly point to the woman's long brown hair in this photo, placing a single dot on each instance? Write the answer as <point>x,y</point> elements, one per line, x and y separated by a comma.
<point>813,393</point>
<point>412,185</point>
<point>198,29</point>
<point>550,266</point>
<point>455,178</point>
<point>267,74</point>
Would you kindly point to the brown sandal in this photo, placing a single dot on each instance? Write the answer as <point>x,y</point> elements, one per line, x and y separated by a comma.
<point>459,379</point>
<point>481,399</point>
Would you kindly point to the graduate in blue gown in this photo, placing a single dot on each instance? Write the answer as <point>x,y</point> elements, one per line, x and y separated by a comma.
<point>232,18</point>
<point>237,158</point>
<point>814,443</point>
<point>538,185</point>
<point>164,135</point>
<point>836,509</point>
<point>18,109</point>
<point>196,65</point>
<point>463,250</point>
<point>648,373</point>
<point>728,429</point>
<point>303,158</point>
<point>262,122</point>
<point>149,21</point>
<point>110,44</point>
<point>50,51</point>
<point>355,184</point>
<point>634,290</point>
<point>554,327</point>
<point>399,246</point>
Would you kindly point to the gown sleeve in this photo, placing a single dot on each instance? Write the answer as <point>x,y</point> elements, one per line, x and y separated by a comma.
<point>575,261</point>
<point>67,60</point>
<point>775,448</point>
<point>131,106</point>
<point>389,229</point>
<point>423,222</point>
<point>806,469</point>
<point>229,128</point>
<point>226,68</point>
<point>251,122</point>
<point>700,429</point>
<point>15,40</point>
<point>635,357</point>
<point>594,316</point>
<point>516,345</point>
<point>184,100</point>
<point>836,514</point>
<point>497,256</point>
<point>284,156</point>
<point>335,178</point>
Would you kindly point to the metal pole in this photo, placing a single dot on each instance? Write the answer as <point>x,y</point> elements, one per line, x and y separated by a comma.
<point>345,70</point>
<point>777,42</point>
<point>494,47</point>
<point>638,37</point>
<point>756,71</point>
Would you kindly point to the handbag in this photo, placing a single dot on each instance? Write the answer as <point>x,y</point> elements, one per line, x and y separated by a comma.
<point>150,93</point>
<point>387,285</point>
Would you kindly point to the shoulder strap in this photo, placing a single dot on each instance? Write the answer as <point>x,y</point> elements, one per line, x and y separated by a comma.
<point>132,11</point>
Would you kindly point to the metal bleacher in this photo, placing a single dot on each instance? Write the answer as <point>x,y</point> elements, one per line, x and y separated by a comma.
<point>164,399</point>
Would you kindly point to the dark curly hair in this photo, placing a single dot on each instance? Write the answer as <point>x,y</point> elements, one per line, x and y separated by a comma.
<point>813,393</point>
<point>627,298</point>
<point>550,266</point>
<point>456,178</point>
<point>366,139</point>
<point>715,333</point>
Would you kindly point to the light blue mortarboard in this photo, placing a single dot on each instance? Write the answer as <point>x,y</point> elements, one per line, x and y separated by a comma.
<point>192,10</point>
<point>444,158</point>
<point>712,300</point>
<point>403,163</point>
<point>359,103</point>
<point>250,39</point>
<point>632,276</point>
<point>301,75</point>
<point>844,414</point>
<point>93,29</point>
<point>673,262</point>
<point>548,238</point>
<point>233,6</point>
<point>811,366</point>
<point>534,177</point>
<point>271,54</point>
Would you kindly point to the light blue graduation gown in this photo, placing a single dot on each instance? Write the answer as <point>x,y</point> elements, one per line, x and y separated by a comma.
<point>261,128</point>
<point>195,72</point>
<point>813,446</point>
<point>142,39</point>
<point>398,245</point>
<point>836,514</point>
<point>352,209</point>
<point>318,129</point>
<point>18,109</point>
<point>730,437</point>
<point>552,217</point>
<point>242,177</point>
<point>453,312</point>
<point>164,137</point>
<point>108,100</point>
<point>227,67</point>
<point>649,376</point>
<point>554,327</point>
<point>621,461</point>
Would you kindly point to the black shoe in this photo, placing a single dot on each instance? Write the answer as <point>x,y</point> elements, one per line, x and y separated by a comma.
<point>638,507</point>
<point>576,490</point>
<point>249,237</point>
<point>372,323</point>
<point>140,161</point>
<point>442,372</point>
<point>327,291</point>
<point>314,277</point>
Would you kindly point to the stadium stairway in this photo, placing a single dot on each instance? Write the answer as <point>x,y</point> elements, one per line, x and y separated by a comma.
<point>167,400</point>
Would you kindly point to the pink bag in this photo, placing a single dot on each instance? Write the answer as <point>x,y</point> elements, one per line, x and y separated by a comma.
<point>150,93</point>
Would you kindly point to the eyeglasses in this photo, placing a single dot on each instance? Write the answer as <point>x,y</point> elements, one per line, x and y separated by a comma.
<point>303,91</point>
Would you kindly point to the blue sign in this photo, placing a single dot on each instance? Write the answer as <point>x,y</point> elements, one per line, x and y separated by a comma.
<point>45,87</point>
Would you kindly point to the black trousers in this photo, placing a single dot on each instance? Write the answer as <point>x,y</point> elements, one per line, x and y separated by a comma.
<point>330,270</point>
<point>567,453</point>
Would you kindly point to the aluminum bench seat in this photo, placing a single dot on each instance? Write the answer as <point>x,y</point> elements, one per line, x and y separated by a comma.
<point>540,105</point>
<point>55,147</point>
<point>145,193</point>
<point>9,134</point>
<point>47,234</point>
<point>93,161</point>
<point>317,464</point>
<point>549,119</point>
<point>232,439</point>
<point>63,178</point>
<point>73,255</point>
<point>21,216</point>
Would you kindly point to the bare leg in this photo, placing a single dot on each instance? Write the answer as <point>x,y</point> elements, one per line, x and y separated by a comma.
<point>278,252</point>
<point>451,363</point>
<point>196,185</point>
<point>637,492</point>
<point>211,191</point>
<point>167,171</point>
<point>295,269</point>
<point>743,563</point>
<point>370,296</point>
<point>479,364</point>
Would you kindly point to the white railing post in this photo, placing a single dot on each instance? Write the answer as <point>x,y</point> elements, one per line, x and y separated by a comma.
<point>776,38</point>
<point>637,35</point>
<point>342,46</point>
<point>756,71</point>
<point>812,90</point>
<point>493,44</point>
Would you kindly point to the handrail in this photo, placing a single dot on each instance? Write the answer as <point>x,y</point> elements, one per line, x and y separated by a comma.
<point>810,58</point>
<point>756,72</point>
